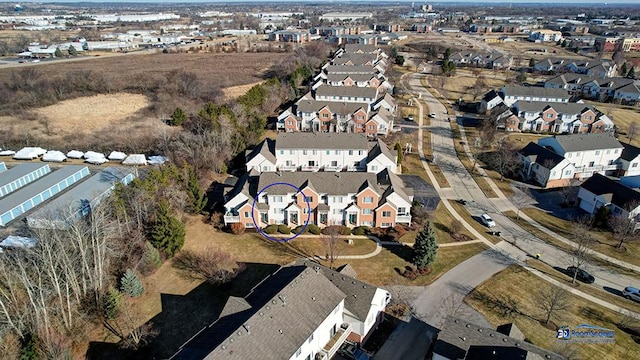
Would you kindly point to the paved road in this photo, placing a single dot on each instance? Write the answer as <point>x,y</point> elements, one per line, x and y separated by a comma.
<point>463,186</point>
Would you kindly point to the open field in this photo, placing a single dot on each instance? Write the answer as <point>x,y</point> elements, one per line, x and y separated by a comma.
<point>505,298</point>
<point>225,70</point>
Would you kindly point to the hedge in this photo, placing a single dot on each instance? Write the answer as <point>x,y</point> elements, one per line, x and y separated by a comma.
<point>270,229</point>
<point>284,229</point>
<point>340,229</point>
<point>314,229</point>
<point>360,230</point>
<point>298,230</point>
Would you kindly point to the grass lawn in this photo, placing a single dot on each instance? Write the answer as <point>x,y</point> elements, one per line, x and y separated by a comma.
<point>586,288</point>
<point>441,220</point>
<point>507,290</point>
<point>468,163</point>
<point>604,242</point>
<point>383,269</point>
<point>460,209</point>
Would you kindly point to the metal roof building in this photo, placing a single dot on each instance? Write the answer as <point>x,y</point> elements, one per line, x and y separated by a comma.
<point>79,201</point>
<point>36,193</point>
<point>19,176</point>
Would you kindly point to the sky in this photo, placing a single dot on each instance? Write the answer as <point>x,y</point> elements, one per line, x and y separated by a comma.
<point>488,2</point>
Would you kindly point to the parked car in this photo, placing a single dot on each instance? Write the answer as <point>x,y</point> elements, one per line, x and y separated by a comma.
<point>487,220</point>
<point>351,351</point>
<point>462,201</point>
<point>583,276</point>
<point>631,293</point>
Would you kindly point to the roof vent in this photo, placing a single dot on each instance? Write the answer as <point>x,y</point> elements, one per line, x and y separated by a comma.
<point>246,327</point>
<point>224,347</point>
<point>313,298</point>
<point>364,286</point>
<point>273,302</point>
<point>491,334</point>
<point>280,331</point>
<point>343,278</point>
<point>353,282</point>
<point>261,313</point>
<point>456,321</point>
<point>231,340</point>
<point>480,330</point>
<point>239,333</point>
<point>337,175</point>
<point>282,298</point>
<point>354,295</point>
<point>468,325</point>
<point>505,339</point>
<point>278,174</point>
<point>463,338</point>
<point>516,344</point>
<point>268,307</point>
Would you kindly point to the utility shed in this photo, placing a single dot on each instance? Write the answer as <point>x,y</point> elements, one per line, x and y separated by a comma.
<point>78,203</point>
<point>19,176</point>
<point>36,193</point>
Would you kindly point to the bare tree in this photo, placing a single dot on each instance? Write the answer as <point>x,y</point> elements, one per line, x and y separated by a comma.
<point>568,194</point>
<point>212,265</point>
<point>632,131</point>
<point>454,305</point>
<point>504,159</point>
<point>130,327</point>
<point>581,228</point>
<point>331,244</point>
<point>521,198</point>
<point>551,300</point>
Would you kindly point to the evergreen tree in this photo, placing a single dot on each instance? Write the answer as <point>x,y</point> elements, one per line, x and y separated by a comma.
<point>151,256</point>
<point>632,73</point>
<point>168,232</point>
<point>623,69</point>
<point>532,62</point>
<point>58,53</point>
<point>130,284</point>
<point>447,54</point>
<point>112,302</point>
<point>425,248</point>
<point>195,193</point>
<point>178,117</point>
<point>72,51</point>
<point>448,68</point>
<point>398,149</point>
<point>29,348</point>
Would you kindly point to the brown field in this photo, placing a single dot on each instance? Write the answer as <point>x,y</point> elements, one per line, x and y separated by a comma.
<point>225,69</point>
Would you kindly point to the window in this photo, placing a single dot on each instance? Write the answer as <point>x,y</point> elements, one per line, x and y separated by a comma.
<point>281,152</point>
<point>350,152</point>
<point>334,163</point>
<point>386,214</point>
<point>401,210</point>
<point>310,338</point>
<point>597,152</point>
<point>290,122</point>
<point>328,152</point>
<point>587,117</point>
<point>298,352</point>
<point>371,127</point>
<point>337,152</point>
<point>386,224</point>
<point>608,152</point>
<point>634,165</point>
<point>367,211</point>
<point>325,115</point>
<point>304,152</point>
<point>567,172</point>
<point>310,199</point>
<point>549,116</point>
<point>374,168</point>
<point>246,214</point>
<point>323,218</point>
<point>615,151</point>
<point>359,152</point>
<point>290,152</point>
<point>591,163</point>
<point>367,200</point>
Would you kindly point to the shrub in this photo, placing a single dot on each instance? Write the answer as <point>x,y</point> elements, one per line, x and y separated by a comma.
<point>360,230</point>
<point>314,229</point>
<point>270,229</point>
<point>336,229</point>
<point>299,230</point>
<point>237,228</point>
<point>284,229</point>
<point>455,227</point>
<point>400,230</point>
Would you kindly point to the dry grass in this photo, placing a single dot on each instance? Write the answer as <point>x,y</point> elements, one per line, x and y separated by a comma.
<point>441,220</point>
<point>623,117</point>
<point>509,285</point>
<point>589,289</point>
<point>233,92</point>
<point>604,242</point>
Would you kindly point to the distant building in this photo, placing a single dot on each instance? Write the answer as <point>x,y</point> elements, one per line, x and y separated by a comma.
<point>333,16</point>
<point>545,35</point>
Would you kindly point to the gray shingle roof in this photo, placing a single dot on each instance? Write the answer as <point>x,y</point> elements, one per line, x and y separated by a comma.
<point>568,78</point>
<point>618,193</point>
<point>266,148</point>
<point>584,142</point>
<point>534,91</point>
<point>286,309</point>
<point>341,183</point>
<point>379,148</point>
<point>352,48</point>
<point>354,77</point>
<point>340,108</point>
<point>358,294</point>
<point>562,108</point>
<point>316,140</point>
<point>347,91</point>
<point>541,155</point>
<point>460,339</point>
<point>356,59</point>
<point>350,69</point>
<point>629,152</point>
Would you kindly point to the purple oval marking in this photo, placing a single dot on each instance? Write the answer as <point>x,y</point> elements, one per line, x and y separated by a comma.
<point>255,201</point>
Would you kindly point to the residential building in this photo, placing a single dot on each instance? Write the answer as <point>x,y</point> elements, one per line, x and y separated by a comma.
<point>545,167</point>
<point>481,59</point>
<point>561,117</point>
<point>333,16</point>
<point>589,153</point>
<point>302,311</point>
<point>512,93</point>
<point>349,94</point>
<point>324,198</point>
<point>490,101</point>
<point>544,35</point>
<point>599,191</point>
<point>629,161</point>
<point>293,36</point>
<point>459,339</point>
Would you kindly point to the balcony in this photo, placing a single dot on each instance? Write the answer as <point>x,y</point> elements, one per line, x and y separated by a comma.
<point>333,167</point>
<point>310,168</point>
<point>288,167</point>
<point>405,219</point>
<point>355,168</point>
<point>336,341</point>
<point>231,219</point>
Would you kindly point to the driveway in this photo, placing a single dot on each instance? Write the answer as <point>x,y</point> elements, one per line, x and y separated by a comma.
<point>422,191</point>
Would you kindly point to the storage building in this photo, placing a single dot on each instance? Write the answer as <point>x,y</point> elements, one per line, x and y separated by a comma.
<point>19,176</point>
<point>31,196</point>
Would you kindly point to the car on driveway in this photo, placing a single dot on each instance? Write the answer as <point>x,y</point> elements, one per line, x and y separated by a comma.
<point>351,351</point>
<point>487,220</point>
<point>631,293</point>
<point>583,276</point>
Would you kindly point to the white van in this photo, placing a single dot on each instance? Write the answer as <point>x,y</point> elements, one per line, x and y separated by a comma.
<point>487,220</point>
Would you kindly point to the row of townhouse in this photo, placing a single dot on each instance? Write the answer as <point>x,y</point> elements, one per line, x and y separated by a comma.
<point>555,161</point>
<point>350,94</point>
<point>301,311</point>
<point>619,89</point>
<point>555,117</point>
<point>322,198</point>
<point>596,69</point>
<point>321,152</point>
<point>482,59</point>
<point>623,43</point>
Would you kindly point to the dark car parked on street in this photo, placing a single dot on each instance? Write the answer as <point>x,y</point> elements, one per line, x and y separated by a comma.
<point>583,276</point>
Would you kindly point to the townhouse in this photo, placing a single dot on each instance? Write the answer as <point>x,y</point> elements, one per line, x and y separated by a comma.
<point>589,153</point>
<point>547,168</point>
<point>621,89</point>
<point>561,117</point>
<point>629,161</point>
<point>301,311</point>
<point>308,114</point>
<point>512,93</point>
<point>322,198</point>
<point>482,59</point>
<point>596,69</point>
<point>545,35</point>
<point>599,191</point>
